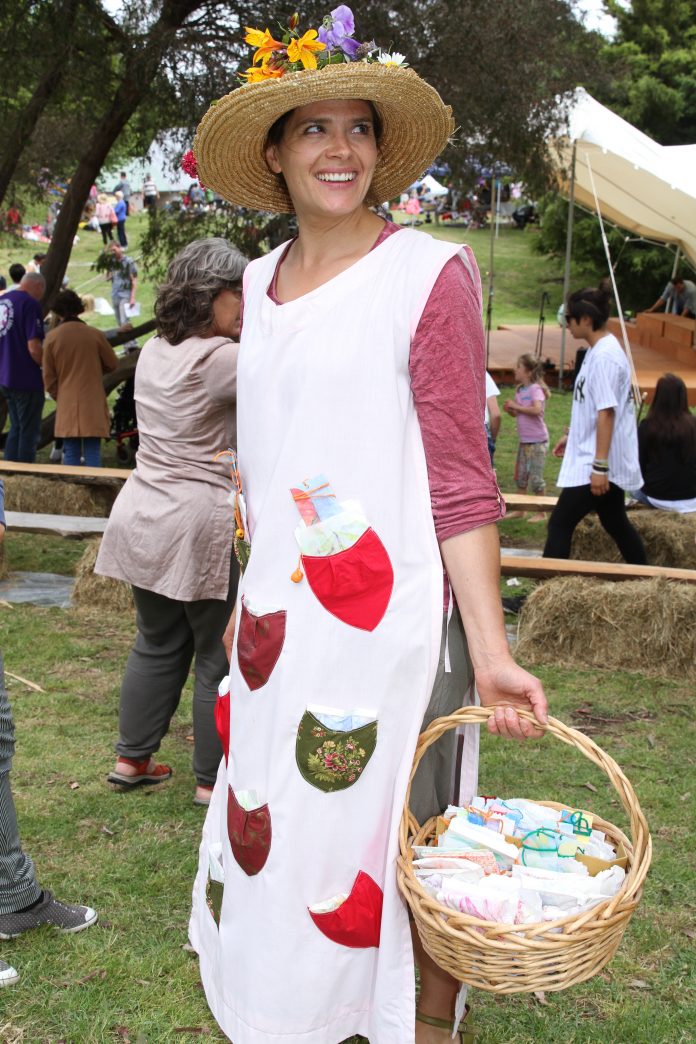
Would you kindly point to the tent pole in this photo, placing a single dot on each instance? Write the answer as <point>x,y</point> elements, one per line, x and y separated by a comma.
<point>566,271</point>
<point>497,207</point>
<point>489,307</point>
<point>637,395</point>
<point>675,266</point>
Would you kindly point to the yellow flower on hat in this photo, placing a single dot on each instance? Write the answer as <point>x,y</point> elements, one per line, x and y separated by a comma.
<point>264,43</point>
<point>261,72</point>
<point>303,49</point>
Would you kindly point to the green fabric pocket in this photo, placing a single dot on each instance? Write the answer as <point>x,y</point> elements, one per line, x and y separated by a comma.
<point>331,759</point>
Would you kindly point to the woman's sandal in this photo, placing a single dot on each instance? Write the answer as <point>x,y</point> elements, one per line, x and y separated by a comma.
<point>204,792</point>
<point>159,774</point>
<point>466,1034</point>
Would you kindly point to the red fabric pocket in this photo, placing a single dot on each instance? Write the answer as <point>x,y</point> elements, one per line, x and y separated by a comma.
<point>249,834</point>
<point>358,920</point>
<point>222,721</point>
<point>355,585</point>
<point>259,644</point>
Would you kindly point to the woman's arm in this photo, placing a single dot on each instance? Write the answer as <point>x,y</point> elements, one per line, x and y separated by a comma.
<point>599,484</point>
<point>108,357</point>
<point>50,377</point>
<point>218,372</point>
<point>472,561</point>
<point>447,369</point>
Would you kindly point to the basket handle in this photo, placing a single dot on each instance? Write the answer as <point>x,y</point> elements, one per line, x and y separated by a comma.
<point>640,834</point>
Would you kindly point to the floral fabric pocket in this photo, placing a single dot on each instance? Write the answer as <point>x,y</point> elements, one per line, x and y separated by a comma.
<point>249,830</point>
<point>222,716</point>
<point>354,585</point>
<point>355,919</point>
<point>260,641</point>
<point>215,885</point>
<point>333,746</point>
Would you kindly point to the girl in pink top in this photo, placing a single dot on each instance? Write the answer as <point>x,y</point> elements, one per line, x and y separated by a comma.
<point>528,409</point>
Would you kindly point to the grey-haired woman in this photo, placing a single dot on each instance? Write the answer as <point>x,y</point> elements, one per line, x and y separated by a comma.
<point>169,534</point>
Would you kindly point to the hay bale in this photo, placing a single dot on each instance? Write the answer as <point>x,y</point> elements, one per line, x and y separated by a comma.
<point>636,625</point>
<point>669,538</point>
<point>92,591</point>
<point>56,496</point>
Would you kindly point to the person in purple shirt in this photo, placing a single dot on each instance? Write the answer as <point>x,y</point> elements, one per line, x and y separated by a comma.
<point>21,337</point>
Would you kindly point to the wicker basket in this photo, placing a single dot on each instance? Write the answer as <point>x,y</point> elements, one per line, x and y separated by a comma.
<point>505,958</point>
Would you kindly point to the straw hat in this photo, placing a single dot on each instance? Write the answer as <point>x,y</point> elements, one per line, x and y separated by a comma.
<point>230,140</point>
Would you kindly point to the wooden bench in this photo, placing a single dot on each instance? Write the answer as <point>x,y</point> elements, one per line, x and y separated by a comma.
<point>54,525</point>
<point>63,471</point>
<point>524,502</point>
<point>543,568</point>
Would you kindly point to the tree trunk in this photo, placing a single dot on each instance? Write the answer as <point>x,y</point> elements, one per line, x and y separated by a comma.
<point>19,135</point>
<point>140,68</point>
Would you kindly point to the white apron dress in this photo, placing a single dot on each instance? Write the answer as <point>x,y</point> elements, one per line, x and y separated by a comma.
<point>313,942</point>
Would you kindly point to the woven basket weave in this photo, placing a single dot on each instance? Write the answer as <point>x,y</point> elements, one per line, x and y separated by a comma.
<point>505,958</point>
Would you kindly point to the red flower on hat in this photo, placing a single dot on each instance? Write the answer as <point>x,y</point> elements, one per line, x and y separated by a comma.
<point>189,164</point>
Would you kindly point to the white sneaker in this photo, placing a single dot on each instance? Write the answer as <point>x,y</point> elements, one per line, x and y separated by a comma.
<point>8,975</point>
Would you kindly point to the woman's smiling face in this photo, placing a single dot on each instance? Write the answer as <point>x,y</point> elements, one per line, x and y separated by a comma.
<point>327,155</point>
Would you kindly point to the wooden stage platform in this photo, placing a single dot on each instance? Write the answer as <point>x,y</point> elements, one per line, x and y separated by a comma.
<point>659,344</point>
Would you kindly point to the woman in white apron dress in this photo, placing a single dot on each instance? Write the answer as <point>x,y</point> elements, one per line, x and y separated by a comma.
<point>339,648</point>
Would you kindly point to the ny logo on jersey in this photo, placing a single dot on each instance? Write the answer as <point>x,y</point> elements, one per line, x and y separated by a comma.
<point>579,393</point>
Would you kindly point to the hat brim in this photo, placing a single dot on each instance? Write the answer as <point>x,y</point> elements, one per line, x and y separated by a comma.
<point>230,140</point>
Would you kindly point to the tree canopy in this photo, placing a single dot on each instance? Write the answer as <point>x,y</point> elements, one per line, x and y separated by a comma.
<point>107,83</point>
<point>652,68</point>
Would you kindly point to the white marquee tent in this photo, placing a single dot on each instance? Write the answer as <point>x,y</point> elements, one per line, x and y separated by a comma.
<point>646,188</point>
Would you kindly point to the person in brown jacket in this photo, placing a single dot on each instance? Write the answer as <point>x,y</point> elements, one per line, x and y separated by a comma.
<point>76,357</point>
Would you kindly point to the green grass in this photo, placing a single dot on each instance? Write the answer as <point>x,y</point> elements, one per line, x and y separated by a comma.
<point>82,279</point>
<point>36,553</point>
<point>133,856</point>
<point>521,274</point>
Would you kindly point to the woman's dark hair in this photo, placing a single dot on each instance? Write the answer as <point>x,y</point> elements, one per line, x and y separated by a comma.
<point>184,305</point>
<point>669,421</point>
<point>275,134</point>
<point>594,302</point>
<point>68,305</point>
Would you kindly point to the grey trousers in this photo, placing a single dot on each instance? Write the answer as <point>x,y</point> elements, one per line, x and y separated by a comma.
<point>169,634</point>
<point>449,768</point>
<point>18,885</point>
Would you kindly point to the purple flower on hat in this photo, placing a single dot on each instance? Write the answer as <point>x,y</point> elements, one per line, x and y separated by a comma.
<point>337,31</point>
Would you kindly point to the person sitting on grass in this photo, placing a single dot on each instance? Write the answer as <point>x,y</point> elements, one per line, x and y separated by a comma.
<point>528,409</point>
<point>23,904</point>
